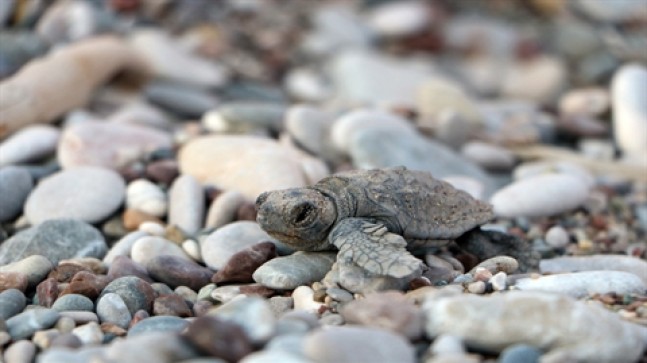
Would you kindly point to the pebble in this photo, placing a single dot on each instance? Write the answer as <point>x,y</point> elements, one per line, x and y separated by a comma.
<point>186,204</point>
<point>107,144</point>
<point>538,196</point>
<point>72,238</point>
<point>89,194</point>
<point>35,267</point>
<point>307,85</point>
<point>73,302</point>
<point>124,266</point>
<point>12,302</point>
<point>141,113</point>
<point>338,294</point>
<point>169,60</point>
<point>303,300</point>
<point>289,272</point>
<point>388,310</point>
<point>218,337</point>
<point>242,265</point>
<point>564,328</point>
<point>89,333</point>
<point>25,324</point>
<point>192,249</point>
<point>621,11</point>
<point>22,351</point>
<point>224,208</point>
<point>162,171</point>
<point>219,247</point>
<point>399,19</point>
<point>590,102</point>
<point>13,280</point>
<point>629,264</point>
<point>123,246</point>
<point>147,348</point>
<point>546,73</point>
<point>586,283</point>
<point>520,353</point>
<point>147,197</point>
<point>183,100</point>
<point>245,117</point>
<point>531,169</point>
<point>496,264</point>
<point>446,344</point>
<point>135,292</point>
<point>310,128</point>
<point>31,143</point>
<point>80,317</point>
<point>349,344</point>
<point>149,247</point>
<point>250,165</point>
<point>488,156</point>
<point>629,95</point>
<point>158,324</point>
<point>499,281</point>
<point>557,237</point>
<point>253,314</point>
<point>15,185</point>
<point>178,271</point>
<point>111,308</point>
<point>171,305</point>
<point>476,287</point>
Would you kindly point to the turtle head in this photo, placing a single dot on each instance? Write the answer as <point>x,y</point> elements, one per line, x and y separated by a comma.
<point>299,217</point>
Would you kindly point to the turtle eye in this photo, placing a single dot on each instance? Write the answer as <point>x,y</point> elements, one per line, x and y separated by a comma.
<point>301,212</point>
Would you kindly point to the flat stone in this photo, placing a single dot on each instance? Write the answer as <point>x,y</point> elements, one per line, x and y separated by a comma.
<point>158,324</point>
<point>177,271</point>
<point>289,272</point>
<point>389,310</point>
<point>55,239</point>
<point>242,265</point>
<point>186,204</point>
<point>12,302</point>
<point>25,324</point>
<point>542,195</point>
<point>135,292</point>
<point>218,337</point>
<point>73,302</point>
<point>583,284</point>
<point>498,263</point>
<point>15,185</point>
<point>536,168</point>
<point>629,264</point>
<point>29,144</point>
<point>250,165</point>
<point>252,313</point>
<point>107,144</point>
<point>111,308</point>
<point>225,242</point>
<point>564,328</point>
<point>148,247</point>
<point>89,194</point>
<point>349,344</point>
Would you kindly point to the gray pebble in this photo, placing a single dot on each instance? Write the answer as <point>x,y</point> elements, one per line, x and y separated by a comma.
<point>158,324</point>
<point>12,302</point>
<point>289,272</point>
<point>56,239</point>
<point>73,302</point>
<point>112,308</point>
<point>186,204</point>
<point>15,185</point>
<point>25,324</point>
<point>252,313</point>
<point>22,351</point>
<point>338,294</point>
<point>583,284</point>
<point>136,293</point>
<point>35,267</point>
<point>182,100</point>
<point>520,353</point>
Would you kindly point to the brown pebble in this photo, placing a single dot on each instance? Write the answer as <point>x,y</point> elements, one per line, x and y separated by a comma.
<point>319,295</point>
<point>241,266</point>
<point>66,270</point>
<point>171,304</point>
<point>87,284</point>
<point>419,282</point>
<point>218,338</point>
<point>162,171</point>
<point>257,289</point>
<point>132,172</point>
<point>175,234</point>
<point>67,340</point>
<point>13,280</point>
<point>132,218</point>
<point>123,266</point>
<point>110,328</point>
<point>138,316</point>
<point>202,307</point>
<point>47,292</point>
<point>246,212</point>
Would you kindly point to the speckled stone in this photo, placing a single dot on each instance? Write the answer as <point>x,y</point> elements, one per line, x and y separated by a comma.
<point>55,239</point>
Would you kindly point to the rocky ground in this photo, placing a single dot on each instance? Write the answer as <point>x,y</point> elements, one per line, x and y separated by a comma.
<point>135,136</point>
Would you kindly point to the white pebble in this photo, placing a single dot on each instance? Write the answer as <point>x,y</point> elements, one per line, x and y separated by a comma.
<point>304,300</point>
<point>147,197</point>
<point>557,237</point>
<point>192,248</point>
<point>152,228</point>
<point>498,281</point>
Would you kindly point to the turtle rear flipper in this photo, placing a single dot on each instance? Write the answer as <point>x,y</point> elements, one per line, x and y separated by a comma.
<point>372,247</point>
<point>487,244</point>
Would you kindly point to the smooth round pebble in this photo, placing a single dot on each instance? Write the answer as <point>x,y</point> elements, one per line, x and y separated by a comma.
<point>557,237</point>
<point>178,271</point>
<point>15,185</point>
<point>147,197</point>
<point>12,302</point>
<point>158,324</point>
<point>135,292</point>
<point>22,351</point>
<point>186,204</point>
<point>289,272</point>
<point>29,144</point>
<point>73,302</point>
<point>520,353</point>
<point>149,247</point>
<point>253,314</point>
<point>111,308</point>
<point>89,333</point>
<point>89,194</point>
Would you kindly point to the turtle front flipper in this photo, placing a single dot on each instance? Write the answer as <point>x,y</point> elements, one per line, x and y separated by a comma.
<point>371,246</point>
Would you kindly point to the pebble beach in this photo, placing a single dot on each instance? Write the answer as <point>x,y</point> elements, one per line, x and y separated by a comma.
<point>136,136</point>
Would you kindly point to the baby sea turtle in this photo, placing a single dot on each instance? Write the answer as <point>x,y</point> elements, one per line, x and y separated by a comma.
<point>375,217</point>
